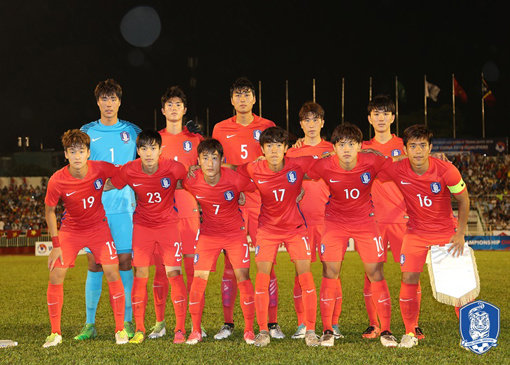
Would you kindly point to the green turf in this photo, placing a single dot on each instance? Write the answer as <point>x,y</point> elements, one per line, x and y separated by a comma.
<point>24,318</point>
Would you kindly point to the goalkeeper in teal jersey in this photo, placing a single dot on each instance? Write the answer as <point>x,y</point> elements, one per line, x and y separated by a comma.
<point>112,140</point>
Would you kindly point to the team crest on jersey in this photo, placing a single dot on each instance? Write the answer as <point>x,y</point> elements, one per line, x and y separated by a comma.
<point>323,248</point>
<point>396,152</point>
<point>187,146</point>
<point>98,184</point>
<point>256,134</point>
<point>165,182</point>
<point>479,326</point>
<point>257,249</point>
<point>365,177</point>
<point>125,137</point>
<point>435,187</point>
<point>402,259</point>
<point>229,195</point>
<point>292,176</point>
<point>195,259</point>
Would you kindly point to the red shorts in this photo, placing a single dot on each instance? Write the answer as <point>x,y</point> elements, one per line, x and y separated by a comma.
<point>188,227</point>
<point>367,242</point>
<point>297,244</point>
<point>164,241</point>
<point>393,234</point>
<point>210,247</point>
<point>415,248</point>
<point>315,232</point>
<point>99,241</point>
<point>251,222</point>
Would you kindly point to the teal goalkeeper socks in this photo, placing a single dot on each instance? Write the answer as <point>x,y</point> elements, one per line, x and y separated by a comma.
<point>93,287</point>
<point>127,278</point>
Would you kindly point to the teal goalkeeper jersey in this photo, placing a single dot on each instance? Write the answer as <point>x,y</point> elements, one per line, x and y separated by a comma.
<point>115,144</point>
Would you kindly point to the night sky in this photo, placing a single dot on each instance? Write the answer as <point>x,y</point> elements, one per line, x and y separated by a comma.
<point>55,52</point>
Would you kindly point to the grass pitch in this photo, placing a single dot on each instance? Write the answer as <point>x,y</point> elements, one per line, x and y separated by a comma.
<point>24,318</point>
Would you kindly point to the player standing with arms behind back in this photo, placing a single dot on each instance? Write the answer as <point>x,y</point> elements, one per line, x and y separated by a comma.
<point>79,185</point>
<point>239,136</point>
<point>389,205</point>
<point>427,184</point>
<point>111,140</point>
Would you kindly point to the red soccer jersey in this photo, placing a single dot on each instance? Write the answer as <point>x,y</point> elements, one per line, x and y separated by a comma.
<point>427,196</point>
<point>278,190</point>
<point>182,147</point>
<point>388,201</point>
<point>316,192</point>
<point>81,197</point>
<point>241,145</point>
<point>350,200</point>
<point>154,193</point>
<point>220,209</point>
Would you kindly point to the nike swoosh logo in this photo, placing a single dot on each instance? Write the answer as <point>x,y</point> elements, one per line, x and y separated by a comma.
<point>96,139</point>
<point>194,303</point>
<point>262,182</point>
<point>406,300</point>
<point>405,182</point>
<point>248,303</point>
<point>333,181</point>
<point>113,257</point>
<point>53,303</point>
<point>297,296</point>
<point>199,197</point>
<point>178,301</point>
<point>380,254</point>
<point>134,303</point>
<point>326,300</point>
<point>231,135</point>
<point>259,292</point>
<point>310,291</point>
<point>382,301</point>
<point>118,296</point>
<point>179,259</point>
<point>245,261</point>
<point>69,194</point>
<point>136,184</point>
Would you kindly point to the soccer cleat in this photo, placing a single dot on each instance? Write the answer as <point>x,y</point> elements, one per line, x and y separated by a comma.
<point>179,337</point>
<point>371,332</point>
<point>336,332</point>
<point>300,332</point>
<point>327,339</point>
<point>419,333</point>
<point>158,331</point>
<point>276,332</point>
<point>262,339</point>
<point>204,334</point>
<point>130,329</point>
<point>138,337</point>
<point>249,337</point>
<point>88,332</point>
<point>53,340</point>
<point>408,341</point>
<point>121,337</point>
<point>311,339</point>
<point>194,338</point>
<point>388,340</point>
<point>226,331</point>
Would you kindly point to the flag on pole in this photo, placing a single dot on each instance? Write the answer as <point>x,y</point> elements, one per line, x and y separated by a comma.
<point>487,94</point>
<point>459,91</point>
<point>432,91</point>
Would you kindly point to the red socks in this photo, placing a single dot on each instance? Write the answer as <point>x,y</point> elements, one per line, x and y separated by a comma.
<point>273,298</point>
<point>228,291</point>
<point>382,302</point>
<point>369,303</point>
<point>327,302</point>
<point>409,305</point>
<point>196,297</point>
<point>55,298</point>
<point>139,302</point>
<point>117,301</point>
<point>178,296</point>
<point>247,298</point>
<point>160,291</point>
<point>298,302</point>
<point>309,299</point>
<point>190,271</point>
<point>338,303</point>
<point>262,300</point>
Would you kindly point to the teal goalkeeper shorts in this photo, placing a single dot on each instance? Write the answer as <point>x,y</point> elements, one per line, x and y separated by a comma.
<point>121,228</point>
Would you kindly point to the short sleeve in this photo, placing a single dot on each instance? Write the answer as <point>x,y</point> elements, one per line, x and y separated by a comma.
<point>52,193</point>
<point>382,163</point>
<point>454,181</point>
<point>387,172</point>
<point>246,169</point>
<point>180,171</point>
<point>119,179</point>
<point>305,162</point>
<point>314,172</point>
<point>244,183</point>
